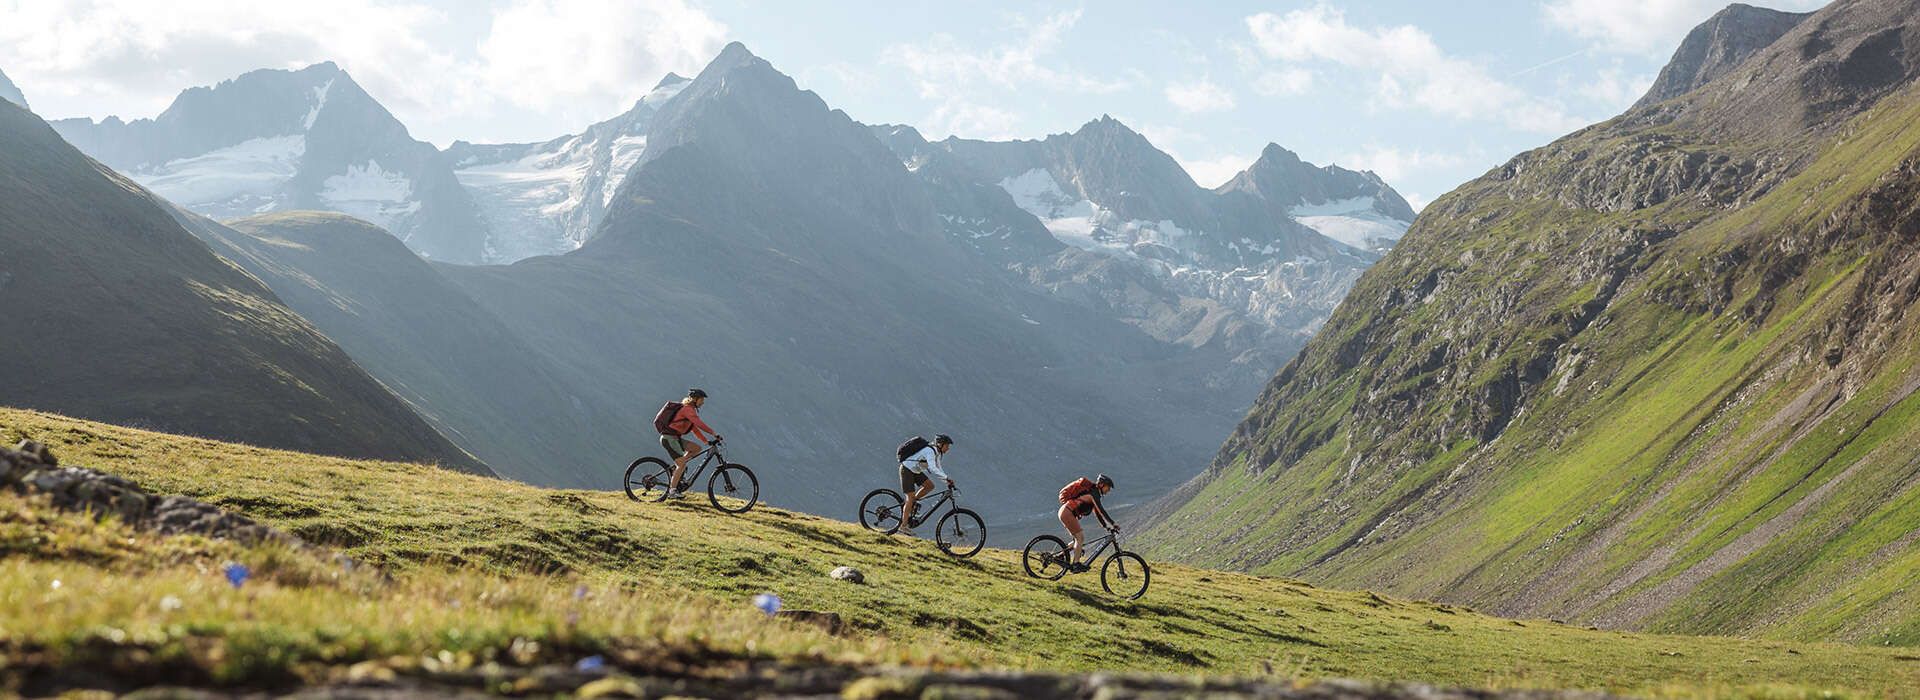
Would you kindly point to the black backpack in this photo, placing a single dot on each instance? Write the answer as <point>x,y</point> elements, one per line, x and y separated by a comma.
<point>911,447</point>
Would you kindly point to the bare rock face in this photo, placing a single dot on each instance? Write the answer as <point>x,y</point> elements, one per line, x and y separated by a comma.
<point>1715,47</point>
<point>31,468</point>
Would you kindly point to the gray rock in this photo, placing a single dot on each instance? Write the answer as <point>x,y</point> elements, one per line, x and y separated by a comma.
<point>848,573</point>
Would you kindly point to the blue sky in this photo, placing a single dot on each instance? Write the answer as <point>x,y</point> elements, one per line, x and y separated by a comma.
<point>1427,94</point>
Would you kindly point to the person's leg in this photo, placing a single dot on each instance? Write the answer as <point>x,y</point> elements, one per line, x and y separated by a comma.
<point>910,482</point>
<point>1072,521</point>
<point>688,450</point>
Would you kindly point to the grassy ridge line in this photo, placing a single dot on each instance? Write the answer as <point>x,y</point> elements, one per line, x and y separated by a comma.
<point>451,536</point>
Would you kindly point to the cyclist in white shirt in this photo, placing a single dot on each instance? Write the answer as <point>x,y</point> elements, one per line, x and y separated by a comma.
<point>915,483</point>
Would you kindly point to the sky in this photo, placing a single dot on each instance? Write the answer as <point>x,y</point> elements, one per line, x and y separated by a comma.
<point>1428,95</point>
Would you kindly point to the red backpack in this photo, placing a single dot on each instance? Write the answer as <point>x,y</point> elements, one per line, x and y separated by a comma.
<point>1079,487</point>
<point>663,421</point>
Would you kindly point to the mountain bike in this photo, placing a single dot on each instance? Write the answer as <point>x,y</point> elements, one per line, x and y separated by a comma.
<point>960,532</point>
<point>648,480</point>
<point>1124,574</point>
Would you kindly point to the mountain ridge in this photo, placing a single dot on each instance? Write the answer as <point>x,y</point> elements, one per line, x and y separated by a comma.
<point>134,320</point>
<point>1560,393</point>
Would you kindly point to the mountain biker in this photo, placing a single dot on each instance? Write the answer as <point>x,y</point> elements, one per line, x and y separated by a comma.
<point>1079,498</point>
<point>686,422</point>
<point>914,481</point>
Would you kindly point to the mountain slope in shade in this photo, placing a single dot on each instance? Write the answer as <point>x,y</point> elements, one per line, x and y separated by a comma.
<point>274,140</point>
<point>1659,374</point>
<point>1717,46</point>
<point>11,92</point>
<point>119,315</point>
<point>404,322</point>
<point>547,198</point>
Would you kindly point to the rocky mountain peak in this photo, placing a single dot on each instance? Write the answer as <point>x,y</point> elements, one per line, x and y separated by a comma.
<point>10,92</point>
<point>1719,44</point>
<point>671,79</point>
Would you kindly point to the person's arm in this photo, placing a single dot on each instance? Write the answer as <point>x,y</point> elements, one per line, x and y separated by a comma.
<point>1100,509</point>
<point>933,465</point>
<point>700,428</point>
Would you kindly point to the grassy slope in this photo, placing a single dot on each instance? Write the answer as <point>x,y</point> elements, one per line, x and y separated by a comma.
<point>676,578</point>
<point>1685,432</point>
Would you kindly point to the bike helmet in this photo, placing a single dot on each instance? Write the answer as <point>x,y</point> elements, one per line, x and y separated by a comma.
<point>942,439</point>
<point>696,393</point>
<point>1103,480</point>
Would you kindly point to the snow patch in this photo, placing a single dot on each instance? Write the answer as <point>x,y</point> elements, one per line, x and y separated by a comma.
<point>241,179</point>
<point>371,192</point>
<point>626,152</point>
<point>319,100</point>
<point>1351,221</point>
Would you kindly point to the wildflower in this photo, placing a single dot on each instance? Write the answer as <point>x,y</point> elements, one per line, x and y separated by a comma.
<point>237,573</point>
<point>767,603</point>
<point>171,603</point>
<point>591,663</point>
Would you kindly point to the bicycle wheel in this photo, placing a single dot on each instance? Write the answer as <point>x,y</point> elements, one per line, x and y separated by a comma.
<point>960,533</point>
<point>1045,557</point>
<point>733,481</point>
<point>1126,575</point>
<point>647,479</point>
<point>880,511</point>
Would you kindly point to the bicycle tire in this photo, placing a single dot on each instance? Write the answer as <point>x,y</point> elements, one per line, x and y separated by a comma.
<point>1050,558</point>
<point>652,482</point>
<point>738,482</point>
<point>875,516</point>
<point>1117,579</point>
<point>960,533</point>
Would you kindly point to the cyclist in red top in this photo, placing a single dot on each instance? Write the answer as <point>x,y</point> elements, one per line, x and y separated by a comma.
<point>686,422</point>
<point>1078,499</point>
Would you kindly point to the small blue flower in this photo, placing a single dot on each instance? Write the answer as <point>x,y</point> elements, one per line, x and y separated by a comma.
<point>591,663</point>
<point>237,573</point>
<point>767,603</point>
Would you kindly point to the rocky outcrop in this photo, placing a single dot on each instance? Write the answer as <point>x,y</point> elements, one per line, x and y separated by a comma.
<point>1717,46</point>
<point>32,469</point>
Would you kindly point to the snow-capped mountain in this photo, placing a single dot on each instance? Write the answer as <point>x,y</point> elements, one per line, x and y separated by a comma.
<point>1253,267</point>
<point>11,93</point>
<point>546,198</point>
<point>275,140</point>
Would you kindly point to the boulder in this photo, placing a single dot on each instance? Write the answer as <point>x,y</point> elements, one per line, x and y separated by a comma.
<point>848,573</point>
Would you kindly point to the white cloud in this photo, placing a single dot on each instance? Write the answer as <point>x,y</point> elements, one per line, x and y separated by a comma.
<point>1416,200</point>
<point>1409,69</point>
<point>589,54</point>
<point>560,59</point>
<point>1214,172</point>
<point>1393,164</point>
<point>1283,82</point>
<point>1615,89</point>
<point>964,80</point>
<point>1198,96</point>
<point>1649,27</point>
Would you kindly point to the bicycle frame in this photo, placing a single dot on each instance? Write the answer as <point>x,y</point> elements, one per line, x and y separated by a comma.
<point>693,473</point>
<point>1106,540</point>
<point>928,510</point>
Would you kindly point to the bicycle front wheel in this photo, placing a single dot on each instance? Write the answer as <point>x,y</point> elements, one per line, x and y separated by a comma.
<point>1045,557</point>
<point>961,533</point>
<point>880,511</point>
<point>1126,575</point>
<point>647,479</point>
<point>736,482</point>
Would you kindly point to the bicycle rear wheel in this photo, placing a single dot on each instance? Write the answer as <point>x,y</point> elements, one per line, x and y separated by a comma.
<point>880,511</point>
<point>1126,575</point>
<point>647,479</point>
<point>734,481</point>
<point>960,533</point>
<point>1045,557</point>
